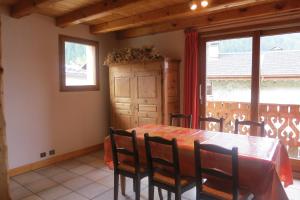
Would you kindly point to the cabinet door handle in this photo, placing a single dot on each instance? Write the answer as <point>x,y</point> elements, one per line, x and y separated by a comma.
<point>200,93</point>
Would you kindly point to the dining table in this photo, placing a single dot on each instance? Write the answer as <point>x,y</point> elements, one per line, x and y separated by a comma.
<point>264,165</point>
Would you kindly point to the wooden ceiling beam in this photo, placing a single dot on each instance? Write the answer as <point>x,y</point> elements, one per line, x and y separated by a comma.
<point>27,7</point>
<point>285,9</point>
<point>170,12</point>
<point>92,12</point>
<point>288,26</point>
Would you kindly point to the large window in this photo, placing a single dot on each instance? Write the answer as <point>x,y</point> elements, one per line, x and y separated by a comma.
<point>78,64</point>
<point>279,99</point>
<point>228,80</point>
<point>255,76</point>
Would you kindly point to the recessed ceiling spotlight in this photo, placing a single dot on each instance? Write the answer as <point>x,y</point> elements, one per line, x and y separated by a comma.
<point>193,5</point>
<point>204,3</point>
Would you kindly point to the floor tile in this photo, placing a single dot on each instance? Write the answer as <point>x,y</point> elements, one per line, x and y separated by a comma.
<point>63,177</point>
<point>98,154</point>
<point>72,196</point>
<point>97,174</point>
<point>93,190</point>
<point>86,159</point>
<point>97,164</point>
<point>77,183</point>
<point>54,193</point>
<point>129,187</point>
<point>145,194</point>
<point>82,169</point>
<point>107,181</point>
<point>32,197</point>
<point>75,180</point>
<point>144,181</point>
<point>107,169</point>
<point>293,194</point>
<point>13,184</point>
<point>191,194</point>
<point>50,171</point>
<point>69,164</point>
<point>296,184</point>
<point>40,185</point>
<point>27,178</point>
<point>110,195</point>
<point>20,193</point>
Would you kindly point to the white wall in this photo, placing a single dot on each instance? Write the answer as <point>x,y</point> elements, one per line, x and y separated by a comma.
<point>38,116</point>
<point>168,44</point>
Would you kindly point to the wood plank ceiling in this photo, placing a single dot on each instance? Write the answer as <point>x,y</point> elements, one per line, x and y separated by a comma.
<point>134,18</point>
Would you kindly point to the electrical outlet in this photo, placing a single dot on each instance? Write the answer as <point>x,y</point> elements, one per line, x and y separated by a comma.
<point>52,152</point>
<point>43,154</point>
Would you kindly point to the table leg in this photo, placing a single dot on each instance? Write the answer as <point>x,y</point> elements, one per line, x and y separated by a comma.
<point>123,185</point>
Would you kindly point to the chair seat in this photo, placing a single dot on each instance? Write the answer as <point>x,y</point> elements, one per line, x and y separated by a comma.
<point>223,191</point>
<point>129,167</point>
<point>165,177</point>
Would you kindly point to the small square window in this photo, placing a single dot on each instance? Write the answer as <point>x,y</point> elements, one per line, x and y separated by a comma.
<point>79,61</point>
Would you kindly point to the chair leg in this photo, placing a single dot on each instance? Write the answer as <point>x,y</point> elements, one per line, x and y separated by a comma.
<point>123,185</point>
<point>137,189</point>
<point>134,184</point>
<point>169,195</point>
<point>160,194</point>
<point>151,192</point>
<point>198,191</point>
<point>177,196</point>
<point>116,186</point>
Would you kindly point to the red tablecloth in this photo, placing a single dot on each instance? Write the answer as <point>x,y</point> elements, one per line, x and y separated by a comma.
<point>263,162</point>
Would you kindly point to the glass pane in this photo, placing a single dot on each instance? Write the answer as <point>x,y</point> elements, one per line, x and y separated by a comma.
<point>80,64</point>
<point>229,65</point>
<point>280,89</point>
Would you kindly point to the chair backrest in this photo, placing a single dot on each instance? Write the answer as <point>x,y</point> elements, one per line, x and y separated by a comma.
<point>211,119</point>
<point>178,116</point>
<point>214,172</point>
<point>152,160</point>
<point>251,124</point>
<point>116,149</point>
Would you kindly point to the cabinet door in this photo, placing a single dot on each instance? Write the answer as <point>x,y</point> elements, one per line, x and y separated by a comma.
<point>147,96</point>
<point>121,95</point>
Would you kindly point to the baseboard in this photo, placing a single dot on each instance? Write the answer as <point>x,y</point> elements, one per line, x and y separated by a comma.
<point>53,160</point>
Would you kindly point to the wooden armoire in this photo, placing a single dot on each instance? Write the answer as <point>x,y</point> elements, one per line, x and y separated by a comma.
<point>144,93</point>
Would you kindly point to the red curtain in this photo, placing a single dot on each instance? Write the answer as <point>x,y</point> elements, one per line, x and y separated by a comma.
<point>191,80</point>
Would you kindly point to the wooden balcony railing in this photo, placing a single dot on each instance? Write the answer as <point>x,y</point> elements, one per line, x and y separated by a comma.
<point>281,121</point>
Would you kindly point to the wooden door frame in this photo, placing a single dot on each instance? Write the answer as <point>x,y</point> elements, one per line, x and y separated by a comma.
<point>255,76</point>
<point>202,78</point>
<point>255,80</point>
<point>202,69</point>
<point>4,188</point>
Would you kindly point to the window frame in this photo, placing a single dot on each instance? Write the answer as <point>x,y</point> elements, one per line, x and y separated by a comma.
<point>62,75</point>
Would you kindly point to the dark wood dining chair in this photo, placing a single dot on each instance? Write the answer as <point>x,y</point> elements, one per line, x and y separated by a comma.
<point>130,167</point>
<point>220,185</point>
<point>211,119</point>
<point>178,116</point>
<point>251,124</point>
<point>163,173</point>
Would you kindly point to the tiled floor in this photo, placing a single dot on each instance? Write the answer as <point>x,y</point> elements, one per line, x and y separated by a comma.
<point>85,178</point>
